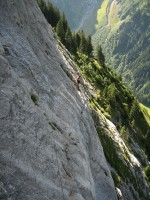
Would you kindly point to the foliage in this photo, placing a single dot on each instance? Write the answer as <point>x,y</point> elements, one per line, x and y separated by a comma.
<point>60,31</point>
<point>34,98</point>
<point>146,112</point>
<point>111,154</point>
<point>126,44</point>
<point>51,13</point>
<point>73,41</point>
<point>147,172</point>
<point>82,46</point>
<point>68,39</point>
<point>116,101</point>
<point>89,47</point>
<point>101,14</point>
<point>116,178</point>
<point>111,97</point>
<point>100,56</point>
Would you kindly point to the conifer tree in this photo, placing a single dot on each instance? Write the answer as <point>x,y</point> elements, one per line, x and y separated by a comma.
<point>89,46</point>
<point>83,46</point>
<point>77,39</point>
<point>42,6</point>
<point>50,13</point>
<point>57,16</point>
<point>65,23</point>
<point>60,31</point>
<point>100,56</point>
<point>68,39</point>
<point>74,44</point>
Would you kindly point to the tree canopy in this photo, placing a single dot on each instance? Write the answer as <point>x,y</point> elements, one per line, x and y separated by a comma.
<point>74,42</point>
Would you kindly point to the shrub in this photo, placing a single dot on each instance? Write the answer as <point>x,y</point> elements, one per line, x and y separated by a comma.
<point>147,172</point>
<point>34,98</point>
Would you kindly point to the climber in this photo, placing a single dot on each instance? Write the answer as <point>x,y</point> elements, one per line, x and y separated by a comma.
<point>78,80</point>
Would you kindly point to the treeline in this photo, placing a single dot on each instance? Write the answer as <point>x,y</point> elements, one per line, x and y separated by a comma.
<point>74,42</point>
<point>50,12</point>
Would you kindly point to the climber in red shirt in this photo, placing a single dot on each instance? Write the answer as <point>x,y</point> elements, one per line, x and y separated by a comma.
<point>78,80</point>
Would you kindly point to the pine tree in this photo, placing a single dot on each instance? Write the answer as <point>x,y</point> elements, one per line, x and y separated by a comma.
<point>89,46</point>
<point>82,46</point>
<point>68,39</point>
<point>57,16</point>
<point>134,109</point>
<point>42,6</point>
<point>65,23</point>
<point>73,42</point>
<point>60,31</point>
<point>100,56</point>
<point>77,39</point>
<point>50,13</point>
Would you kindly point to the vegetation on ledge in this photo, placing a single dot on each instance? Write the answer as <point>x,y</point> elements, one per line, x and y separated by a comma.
<point>111,98</point>
<point>116,101</point>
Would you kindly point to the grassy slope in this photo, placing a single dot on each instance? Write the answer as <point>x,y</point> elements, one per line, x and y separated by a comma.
<point>114,99</point>
<point>102,14</point>
<point>146,112</point>
<point>111,98</point>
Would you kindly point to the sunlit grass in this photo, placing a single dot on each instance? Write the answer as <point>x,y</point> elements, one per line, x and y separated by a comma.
<point>105,12</point>
<point>146,112</point>
<point>102,14</point>
<point>114,21</point>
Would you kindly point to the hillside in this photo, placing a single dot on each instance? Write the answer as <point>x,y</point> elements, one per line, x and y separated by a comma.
<point>60,140</point>
<point>122,28</point>
<point>49,147</point>
<point>123,31</point>
<point>79,13</point>
<point>126,139</point>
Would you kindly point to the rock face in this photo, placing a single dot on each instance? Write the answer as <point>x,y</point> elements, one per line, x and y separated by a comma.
<point>49,148</point>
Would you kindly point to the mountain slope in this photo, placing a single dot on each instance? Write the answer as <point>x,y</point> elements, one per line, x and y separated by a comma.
<point>49,137</point>
<point>79,13</point>
<point>125,37</point>
<point>49,147</point>
<point>122,28</point>
<point>126,140</point>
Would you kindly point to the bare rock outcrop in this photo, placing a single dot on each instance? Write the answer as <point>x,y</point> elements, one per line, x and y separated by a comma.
<point>49,147</point>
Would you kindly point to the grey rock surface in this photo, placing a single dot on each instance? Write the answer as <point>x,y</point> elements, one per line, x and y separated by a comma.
<point>49,147</point>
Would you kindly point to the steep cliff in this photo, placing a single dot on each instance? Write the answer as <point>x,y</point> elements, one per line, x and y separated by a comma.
<point>49,147</point>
